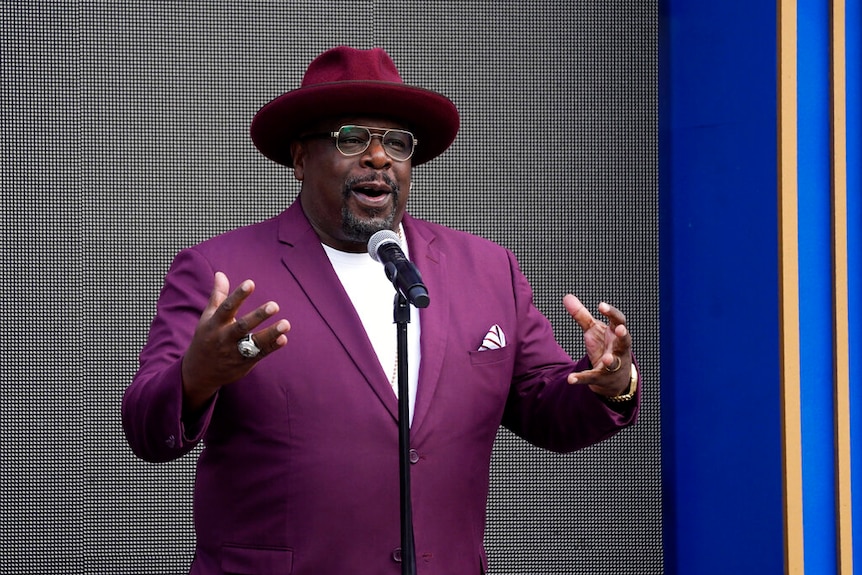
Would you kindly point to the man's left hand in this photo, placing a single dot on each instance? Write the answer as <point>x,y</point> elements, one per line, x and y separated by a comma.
<point>609,347</point>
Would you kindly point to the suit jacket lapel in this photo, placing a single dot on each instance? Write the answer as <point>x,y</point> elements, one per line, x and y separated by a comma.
<point>307,262</point>
<point>434,319</point>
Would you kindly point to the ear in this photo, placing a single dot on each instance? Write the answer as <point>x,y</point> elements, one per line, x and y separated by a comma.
<point>297,153</point>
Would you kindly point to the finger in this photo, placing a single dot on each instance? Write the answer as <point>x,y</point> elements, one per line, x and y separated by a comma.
<point>618,349</point>
<point>584,378</point>
<point>251,320</point>
<point>226,312</point>
<point>589,377</point>
<point>219,293</point>
<point>620,342</point>
<point>615,316</point>
<point>600,376</point>
<point>622,345</point>
<point>579,312</point>
<point>612,362</point>
<point>273,337</point>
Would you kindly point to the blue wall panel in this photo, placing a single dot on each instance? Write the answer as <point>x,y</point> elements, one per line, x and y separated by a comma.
<point>719,280</point>
<point>815,285</point>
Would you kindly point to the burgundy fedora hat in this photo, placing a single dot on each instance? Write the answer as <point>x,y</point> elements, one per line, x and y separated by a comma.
<point>345,81</point>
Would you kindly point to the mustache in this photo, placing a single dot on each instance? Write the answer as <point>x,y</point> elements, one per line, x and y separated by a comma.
<point>359,180</point>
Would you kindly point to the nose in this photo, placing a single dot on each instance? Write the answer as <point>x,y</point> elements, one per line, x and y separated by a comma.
<point>376,155</point>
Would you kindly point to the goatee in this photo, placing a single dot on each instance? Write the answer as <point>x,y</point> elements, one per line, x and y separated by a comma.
<point>360,230</point>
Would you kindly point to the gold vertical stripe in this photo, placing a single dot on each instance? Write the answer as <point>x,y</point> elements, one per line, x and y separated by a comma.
<point>789,290</point>
<point>841,335</point>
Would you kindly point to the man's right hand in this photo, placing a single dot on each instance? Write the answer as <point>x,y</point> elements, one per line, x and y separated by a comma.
<point>212,359</point>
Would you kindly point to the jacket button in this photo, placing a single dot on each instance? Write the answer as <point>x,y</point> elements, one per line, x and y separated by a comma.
<point>414,456</point>
<point>396,555</point>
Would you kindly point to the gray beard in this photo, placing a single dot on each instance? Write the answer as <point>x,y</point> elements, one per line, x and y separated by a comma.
<point>357,230</point>
<point>361,230</point>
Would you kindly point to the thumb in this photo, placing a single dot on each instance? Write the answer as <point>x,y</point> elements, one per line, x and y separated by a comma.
<point>579,312</point>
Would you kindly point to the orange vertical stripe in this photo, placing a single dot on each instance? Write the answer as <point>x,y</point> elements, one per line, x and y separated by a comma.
<point>789,289</point>
<point>840,311</point>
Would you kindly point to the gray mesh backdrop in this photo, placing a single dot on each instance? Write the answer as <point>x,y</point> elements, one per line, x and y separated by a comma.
<point>125,138</point>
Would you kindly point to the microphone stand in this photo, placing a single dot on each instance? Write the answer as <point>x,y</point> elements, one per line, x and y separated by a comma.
<point>408,548</point>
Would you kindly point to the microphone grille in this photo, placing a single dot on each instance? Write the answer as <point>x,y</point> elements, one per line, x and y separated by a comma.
<point>380,238</point>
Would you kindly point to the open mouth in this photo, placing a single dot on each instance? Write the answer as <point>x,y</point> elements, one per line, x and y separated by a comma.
<point>372,194</point>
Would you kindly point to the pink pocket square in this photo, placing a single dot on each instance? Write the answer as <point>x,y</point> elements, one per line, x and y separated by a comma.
<point>494,339</point>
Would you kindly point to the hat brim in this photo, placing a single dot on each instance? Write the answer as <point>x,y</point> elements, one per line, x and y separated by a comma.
<point>432,117</point>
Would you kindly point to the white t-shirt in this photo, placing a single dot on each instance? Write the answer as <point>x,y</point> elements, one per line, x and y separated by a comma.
<point>373,297</point>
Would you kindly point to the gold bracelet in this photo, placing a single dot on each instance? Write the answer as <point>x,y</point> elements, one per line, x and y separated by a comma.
<point>633,387</point>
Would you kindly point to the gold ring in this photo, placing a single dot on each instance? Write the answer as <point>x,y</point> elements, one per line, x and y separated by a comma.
<point>617,368</point>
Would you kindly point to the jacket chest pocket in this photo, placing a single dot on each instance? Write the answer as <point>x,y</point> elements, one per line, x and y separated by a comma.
<point>491,370</point>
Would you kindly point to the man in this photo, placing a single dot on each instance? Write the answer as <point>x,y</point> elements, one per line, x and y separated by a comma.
<point>299,474</point>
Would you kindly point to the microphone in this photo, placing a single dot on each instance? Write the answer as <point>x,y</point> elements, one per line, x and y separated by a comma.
<point>385,247</point>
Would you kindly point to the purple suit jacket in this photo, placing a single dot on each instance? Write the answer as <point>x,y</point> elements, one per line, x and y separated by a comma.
<point>299,474</point>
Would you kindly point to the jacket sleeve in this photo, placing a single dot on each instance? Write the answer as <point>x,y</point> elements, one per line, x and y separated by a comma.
<point>542,406</point>
<point>152,409</point>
